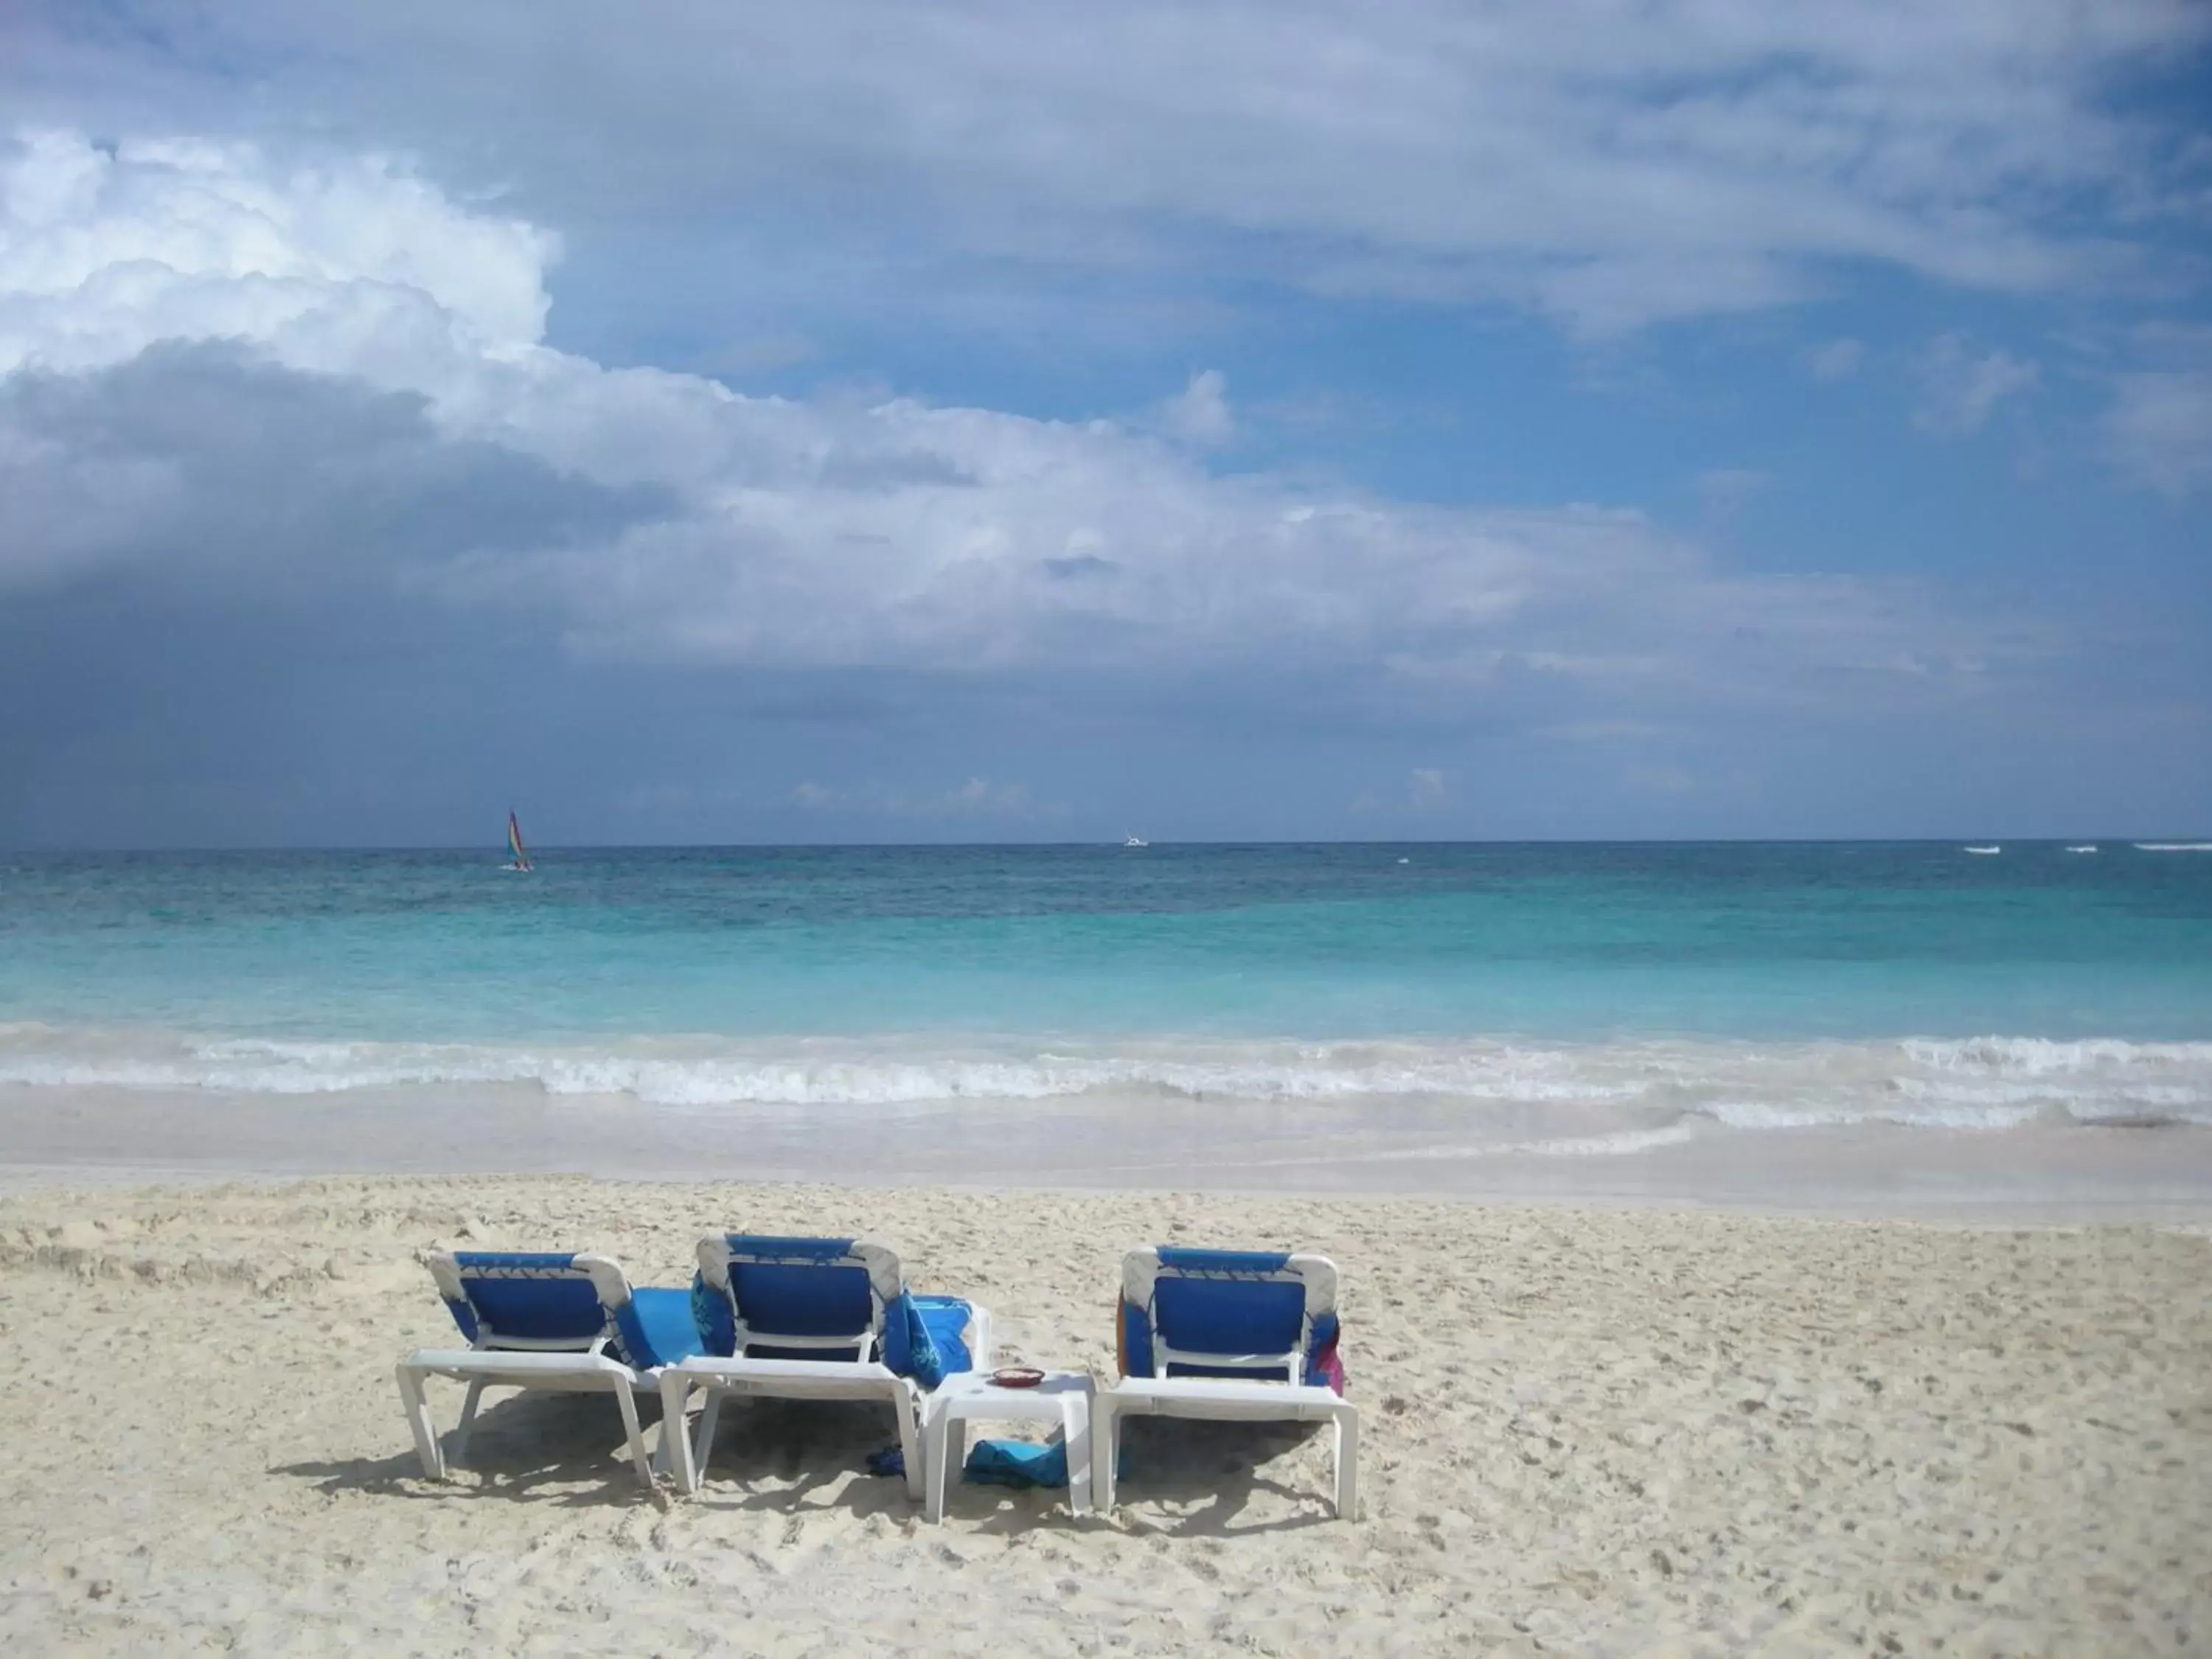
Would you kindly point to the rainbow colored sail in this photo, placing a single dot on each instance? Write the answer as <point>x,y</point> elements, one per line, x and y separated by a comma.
<point>520,860</point>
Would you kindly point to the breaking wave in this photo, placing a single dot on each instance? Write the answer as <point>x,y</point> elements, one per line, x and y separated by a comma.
<point>1642,1087</point>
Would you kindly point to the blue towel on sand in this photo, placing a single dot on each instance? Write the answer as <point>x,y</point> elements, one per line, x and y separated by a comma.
<point>1017,1463</point>
<point>1002,1463</point>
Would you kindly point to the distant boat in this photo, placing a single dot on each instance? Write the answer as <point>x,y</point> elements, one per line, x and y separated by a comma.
<point>517,858</point>
<point>1983,852</point>
<point>2088,846</point>
<point>1134,840</point>
<point>2174,847</point>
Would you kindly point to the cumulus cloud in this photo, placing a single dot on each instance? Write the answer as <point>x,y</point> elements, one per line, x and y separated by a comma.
<point>105,251</point>
<point>1961,386</point>
<point>678,521</point>
<point>1609,164</point>
<point>1199,413</point>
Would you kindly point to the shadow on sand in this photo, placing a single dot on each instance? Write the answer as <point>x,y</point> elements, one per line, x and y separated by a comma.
<point>1179,1477</point>
<point>535,1446</point>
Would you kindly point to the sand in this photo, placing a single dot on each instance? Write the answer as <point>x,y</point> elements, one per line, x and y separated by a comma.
<point>1587,1430</point>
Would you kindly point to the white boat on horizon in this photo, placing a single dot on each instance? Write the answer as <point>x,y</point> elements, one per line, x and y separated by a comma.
<point>1983,852</point>
<point>1134,840</point>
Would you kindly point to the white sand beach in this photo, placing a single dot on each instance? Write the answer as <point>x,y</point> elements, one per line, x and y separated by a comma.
<point>1589,1430</point>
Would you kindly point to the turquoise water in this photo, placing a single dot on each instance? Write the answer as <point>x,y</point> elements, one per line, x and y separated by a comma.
<point>762,973</point>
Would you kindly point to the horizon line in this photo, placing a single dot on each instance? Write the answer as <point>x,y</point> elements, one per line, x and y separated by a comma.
<point>486,850</point>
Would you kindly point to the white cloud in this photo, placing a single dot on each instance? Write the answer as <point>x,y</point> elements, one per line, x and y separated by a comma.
<point>1199,413</point>
<point>102,253</point>
<point>893,534</point>
<point>1835,359</point>
<point>1961,386</point>
<point>2159,429</point>
<point>1609,163</point>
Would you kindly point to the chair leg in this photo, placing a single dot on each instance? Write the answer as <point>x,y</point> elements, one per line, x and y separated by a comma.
<point>418,1423</point>
<point>468,1422</point>
<point>1075,1441</point>
<point>935,1435</point>
<point>906,1407</point>
<point>710,1419</point>
<point>1347,1466</point>
<point>675,1448</point>
<point>627,1404</point>
<point>1105,1435</point>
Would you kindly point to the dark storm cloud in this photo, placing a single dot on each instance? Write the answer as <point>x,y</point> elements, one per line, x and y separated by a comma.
<point>196,462</point>
<point>211,619</point>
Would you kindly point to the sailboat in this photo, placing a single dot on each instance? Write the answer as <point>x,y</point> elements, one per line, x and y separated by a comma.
<point>517,858</point>
<point>1134,840</point>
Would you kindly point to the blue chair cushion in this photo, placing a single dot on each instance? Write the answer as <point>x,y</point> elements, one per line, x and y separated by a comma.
<point>791,1301</point>
<point>1228,1316</point>
<point>537,1309</point>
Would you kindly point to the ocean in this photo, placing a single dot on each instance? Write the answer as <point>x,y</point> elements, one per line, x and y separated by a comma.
<point>1567,997</point>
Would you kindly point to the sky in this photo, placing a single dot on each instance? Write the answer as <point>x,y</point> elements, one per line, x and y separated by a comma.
<point>714,422</point>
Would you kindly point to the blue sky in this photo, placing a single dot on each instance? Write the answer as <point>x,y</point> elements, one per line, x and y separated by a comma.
<point>987,421</point>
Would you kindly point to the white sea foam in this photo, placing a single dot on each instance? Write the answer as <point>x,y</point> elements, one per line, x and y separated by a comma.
<point>1622,1143</point>
<point>1759,1115</point>
<point>2039,1056</point>
<point>1619,1087</point>
<point>2174,847</point>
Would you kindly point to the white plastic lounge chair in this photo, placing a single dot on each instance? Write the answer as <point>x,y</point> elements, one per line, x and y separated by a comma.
<point>815,1319</point>
<point>1242,1335</point>
<point>567,1323</point>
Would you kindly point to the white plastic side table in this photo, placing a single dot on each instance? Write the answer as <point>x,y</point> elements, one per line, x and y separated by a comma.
<point>1064,1397</point>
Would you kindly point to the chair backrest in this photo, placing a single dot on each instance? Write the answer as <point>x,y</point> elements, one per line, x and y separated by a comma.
<point>1257,1314</point>
<point>773,1297</point>
<point>528,1299</point>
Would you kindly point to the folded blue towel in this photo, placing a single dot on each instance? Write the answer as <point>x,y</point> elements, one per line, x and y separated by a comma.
<point>1017,1463</point>
<point>1002,1463</point>
<point>993,1463</point>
